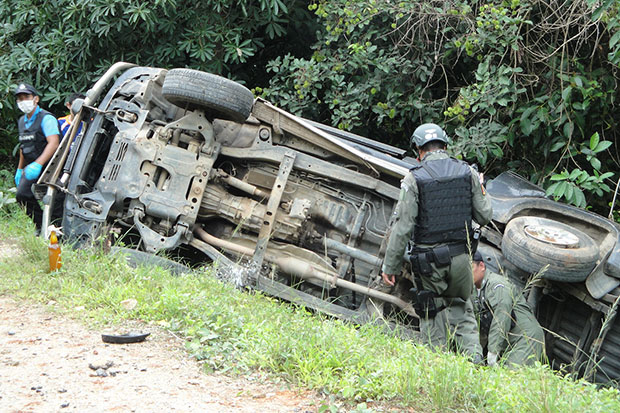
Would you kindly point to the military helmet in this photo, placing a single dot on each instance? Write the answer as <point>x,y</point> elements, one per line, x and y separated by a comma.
<point>427,133</point>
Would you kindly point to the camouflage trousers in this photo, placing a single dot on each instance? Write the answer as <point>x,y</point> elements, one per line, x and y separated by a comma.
<point>455,327</point>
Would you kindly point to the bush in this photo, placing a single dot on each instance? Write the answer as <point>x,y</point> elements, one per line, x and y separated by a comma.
<point>523,84</point>
<point>65,45</point>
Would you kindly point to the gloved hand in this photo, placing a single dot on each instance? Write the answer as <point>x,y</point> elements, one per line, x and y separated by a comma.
<point>32,171</point>
<point>491,359</point>
<point>18,176</point>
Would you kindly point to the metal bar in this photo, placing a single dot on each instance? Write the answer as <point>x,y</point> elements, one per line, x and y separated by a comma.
<point>353,252</point>
<point>285,292</point>
<point>361,140</point>
<point>316,166</point>
<point>239,184</point>
<point>272,207</point>
<point>350,249</point>
<point>276,117</point>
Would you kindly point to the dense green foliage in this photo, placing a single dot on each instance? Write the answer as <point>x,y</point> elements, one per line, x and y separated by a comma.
<point>529,85</point>
<point>235,331</point>
<point>63,46</point>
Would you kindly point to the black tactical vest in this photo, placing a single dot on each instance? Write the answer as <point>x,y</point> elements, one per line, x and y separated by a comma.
<point>445,201</point>
<point>32,140</point>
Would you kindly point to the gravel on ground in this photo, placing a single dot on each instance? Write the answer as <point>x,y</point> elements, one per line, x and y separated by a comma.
<point>51,363</point>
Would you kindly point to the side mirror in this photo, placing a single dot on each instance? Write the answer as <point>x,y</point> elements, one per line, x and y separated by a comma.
<point>76,106</point>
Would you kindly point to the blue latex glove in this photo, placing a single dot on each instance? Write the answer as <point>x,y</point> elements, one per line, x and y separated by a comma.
<point>32,171</point>
<point>18,176</point>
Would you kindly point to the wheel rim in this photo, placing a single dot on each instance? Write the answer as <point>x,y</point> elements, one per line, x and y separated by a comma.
<point>550,234</point>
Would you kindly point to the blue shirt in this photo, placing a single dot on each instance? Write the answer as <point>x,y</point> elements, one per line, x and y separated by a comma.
<point>49,124</point>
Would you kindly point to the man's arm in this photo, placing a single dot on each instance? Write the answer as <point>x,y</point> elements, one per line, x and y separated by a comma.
<point>49,125</point>
<point>482,210</point>
<point>403,224</point>
<point>20,164</point>
<point>500,300</point>
<point>50,148</point>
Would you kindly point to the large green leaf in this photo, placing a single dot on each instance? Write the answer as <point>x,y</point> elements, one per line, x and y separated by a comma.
<point>602,146</point>
<point>594,140</point>
<point>580,199</point>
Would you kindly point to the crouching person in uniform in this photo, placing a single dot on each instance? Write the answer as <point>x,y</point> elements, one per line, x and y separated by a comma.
<point>438,200</point>
<point>514,335</point>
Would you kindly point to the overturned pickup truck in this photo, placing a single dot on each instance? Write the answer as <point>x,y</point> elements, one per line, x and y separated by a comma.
<point>190,163</point>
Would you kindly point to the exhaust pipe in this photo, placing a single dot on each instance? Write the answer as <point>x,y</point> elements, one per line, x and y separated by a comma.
<point>306,270</point>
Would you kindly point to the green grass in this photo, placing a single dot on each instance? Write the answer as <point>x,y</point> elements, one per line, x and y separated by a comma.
<point>235,331</point>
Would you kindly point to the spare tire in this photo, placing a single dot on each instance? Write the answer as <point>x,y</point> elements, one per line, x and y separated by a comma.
<point>533,243</point>
<point>216,93</point>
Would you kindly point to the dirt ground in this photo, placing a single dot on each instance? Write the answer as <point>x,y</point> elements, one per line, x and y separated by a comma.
<point>49,363</point>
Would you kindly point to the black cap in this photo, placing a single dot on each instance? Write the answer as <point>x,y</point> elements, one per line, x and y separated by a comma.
<point>26,88</point>
<point>477,257</point>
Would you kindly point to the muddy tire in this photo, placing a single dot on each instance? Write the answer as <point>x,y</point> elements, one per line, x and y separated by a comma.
<point>533,243</point>
<point>187,87</point>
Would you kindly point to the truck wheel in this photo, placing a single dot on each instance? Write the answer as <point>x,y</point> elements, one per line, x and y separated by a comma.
<point>209,91</point>
<point>533,243</point>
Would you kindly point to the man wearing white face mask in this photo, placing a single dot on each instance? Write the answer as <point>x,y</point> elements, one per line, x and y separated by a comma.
<point>38,140</point>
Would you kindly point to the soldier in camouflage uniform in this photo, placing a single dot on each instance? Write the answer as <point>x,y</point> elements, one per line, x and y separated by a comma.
<point>514,335</point>
<point>438,200</point>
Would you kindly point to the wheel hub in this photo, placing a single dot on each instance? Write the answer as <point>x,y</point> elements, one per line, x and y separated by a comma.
<point>552,235</point>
